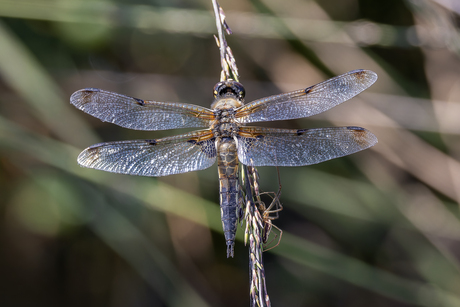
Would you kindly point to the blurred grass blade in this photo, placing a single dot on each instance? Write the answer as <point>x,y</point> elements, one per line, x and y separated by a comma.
<point>31,81</point>
<point>358,208</point>
<point>149,261</point>
<point>359,273</point>
<point>293,40</point>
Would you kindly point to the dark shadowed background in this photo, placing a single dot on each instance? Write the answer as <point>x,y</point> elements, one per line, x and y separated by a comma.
<point>378,228</point>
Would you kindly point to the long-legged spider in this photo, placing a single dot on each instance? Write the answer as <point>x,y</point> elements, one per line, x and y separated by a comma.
<point>269,213</point>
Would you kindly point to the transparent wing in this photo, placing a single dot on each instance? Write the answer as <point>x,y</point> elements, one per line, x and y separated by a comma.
<point>167,156</point>
<point>140,114</point>
<point>259,146</point>
<point>307,102</point>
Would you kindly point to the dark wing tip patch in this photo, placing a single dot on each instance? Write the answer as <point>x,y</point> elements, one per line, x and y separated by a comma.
<point>86,91</point>
<point>80,97</point>
<point>365,75</point>
<point>90,155</point>
<point>360,73</point>
<point>363,137</point>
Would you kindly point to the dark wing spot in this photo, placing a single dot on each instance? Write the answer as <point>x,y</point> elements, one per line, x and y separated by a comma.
<point>151,142</point>
<point>309,89</point>
<point>192,141</point>
<point>301,131</point>
<point>356,128</point>
<point>259,137</point>
<point>139,101</point>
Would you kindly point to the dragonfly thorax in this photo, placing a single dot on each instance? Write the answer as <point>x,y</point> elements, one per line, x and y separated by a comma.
<point>225,129</point>
<point>225,124</point>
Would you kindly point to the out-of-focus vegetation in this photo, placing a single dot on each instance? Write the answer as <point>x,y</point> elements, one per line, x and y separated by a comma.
<point>378,228</point>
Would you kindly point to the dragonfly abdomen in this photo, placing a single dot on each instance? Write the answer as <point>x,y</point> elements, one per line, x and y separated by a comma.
<point>227,162</point>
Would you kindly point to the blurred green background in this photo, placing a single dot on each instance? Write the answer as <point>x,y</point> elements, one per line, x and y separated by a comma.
<point>378,228</point>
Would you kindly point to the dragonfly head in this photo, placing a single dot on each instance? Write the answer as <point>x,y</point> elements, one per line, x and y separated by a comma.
<point>229,89</point>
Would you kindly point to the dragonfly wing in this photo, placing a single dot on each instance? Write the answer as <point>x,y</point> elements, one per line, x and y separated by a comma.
<point>140,114</point>
<point>259,146</point>
<point>307,102</point>
<point>167,156</point>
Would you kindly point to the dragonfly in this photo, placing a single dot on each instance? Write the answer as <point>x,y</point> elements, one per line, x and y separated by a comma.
<point>226,138</point>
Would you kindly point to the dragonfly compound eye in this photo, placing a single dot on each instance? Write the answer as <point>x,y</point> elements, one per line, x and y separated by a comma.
<point>218,89</point>
<point>229,88</point>
<point>238,89</point>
